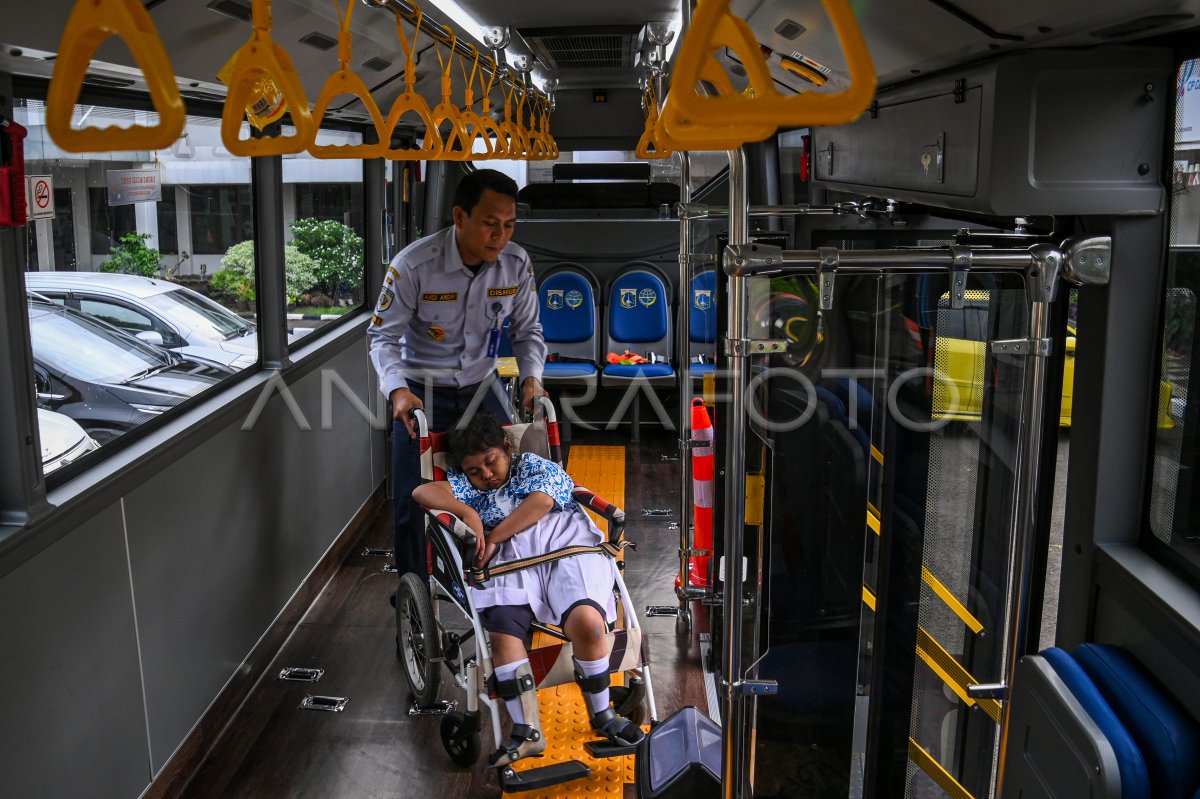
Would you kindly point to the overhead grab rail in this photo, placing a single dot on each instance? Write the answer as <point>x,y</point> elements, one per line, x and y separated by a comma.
<point>91,22</point>
<point>447,111</point>
<point>258,58</point>
<point>731,118</point>
<point>346,81</point>
<point>410,101</point>
<point>702,211</point>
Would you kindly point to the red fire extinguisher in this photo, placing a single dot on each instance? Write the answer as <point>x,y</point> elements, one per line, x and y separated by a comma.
<point>13,208</point>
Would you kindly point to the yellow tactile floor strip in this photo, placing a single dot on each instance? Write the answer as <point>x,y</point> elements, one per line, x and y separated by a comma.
<point>564,718</point>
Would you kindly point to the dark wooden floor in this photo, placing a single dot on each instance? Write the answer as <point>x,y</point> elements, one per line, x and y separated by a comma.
<point>373,748</point>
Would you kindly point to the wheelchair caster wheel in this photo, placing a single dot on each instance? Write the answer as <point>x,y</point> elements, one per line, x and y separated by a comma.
<point>462,744</point>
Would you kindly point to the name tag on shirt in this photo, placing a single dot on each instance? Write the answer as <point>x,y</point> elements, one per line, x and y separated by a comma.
<point>444,296</point>
<point>507,291</point>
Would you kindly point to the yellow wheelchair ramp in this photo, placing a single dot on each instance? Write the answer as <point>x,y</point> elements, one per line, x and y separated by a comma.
<point>564,717</point>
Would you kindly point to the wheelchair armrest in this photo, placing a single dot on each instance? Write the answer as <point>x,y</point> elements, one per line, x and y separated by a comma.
<point>452,524</point>
<point>595,502</point>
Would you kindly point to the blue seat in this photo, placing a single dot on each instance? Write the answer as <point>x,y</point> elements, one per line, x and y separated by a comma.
<point>702,323</point>
<point>639,320</point>
<point>568,313</point>
<point>1140,742</point>
<point>1169,738</point>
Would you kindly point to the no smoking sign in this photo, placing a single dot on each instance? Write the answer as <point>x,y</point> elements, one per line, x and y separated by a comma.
<point>41,196</point>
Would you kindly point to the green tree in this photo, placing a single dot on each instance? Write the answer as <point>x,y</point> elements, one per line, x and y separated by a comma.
<point>237,275</point>
<point>131,256</point>
<point>336,248</point>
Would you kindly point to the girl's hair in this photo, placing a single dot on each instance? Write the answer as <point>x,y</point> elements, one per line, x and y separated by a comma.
<point>477,436</point>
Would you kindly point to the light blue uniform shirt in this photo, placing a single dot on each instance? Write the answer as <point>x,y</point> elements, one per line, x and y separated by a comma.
<point>433,316</point>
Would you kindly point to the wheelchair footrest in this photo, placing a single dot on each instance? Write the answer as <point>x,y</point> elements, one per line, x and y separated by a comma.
<point>605,748</point>
<point>513,781</point>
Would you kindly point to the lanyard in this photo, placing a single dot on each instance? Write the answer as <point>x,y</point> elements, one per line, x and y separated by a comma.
<point>494,336</point>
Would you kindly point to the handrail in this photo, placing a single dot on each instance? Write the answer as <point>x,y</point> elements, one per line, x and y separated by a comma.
<point>472,120</point>
<point>257,58</point>
<point>346,81</point>
<point>447,111</point>
<point>508,129</point>
<point>90,23</point>
<point>687,115</point>
<point>410,101</point>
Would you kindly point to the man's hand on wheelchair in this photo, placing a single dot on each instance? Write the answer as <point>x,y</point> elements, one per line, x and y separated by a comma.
<point>531,388</point>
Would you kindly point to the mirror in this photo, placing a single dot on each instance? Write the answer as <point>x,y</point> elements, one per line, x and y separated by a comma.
<point>151,337</point>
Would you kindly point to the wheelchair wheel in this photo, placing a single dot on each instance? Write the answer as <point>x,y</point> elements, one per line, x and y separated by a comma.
<point>629,700</point>
<point>418,639</point>
<point>463,747</point>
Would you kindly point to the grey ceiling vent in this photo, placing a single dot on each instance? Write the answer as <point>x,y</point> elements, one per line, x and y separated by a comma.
<point>319,41</point>
<point>238,9</point>
<point>107,82</point>
<point>611,47</point>
<point>377,64</point>
<point>789,29</point>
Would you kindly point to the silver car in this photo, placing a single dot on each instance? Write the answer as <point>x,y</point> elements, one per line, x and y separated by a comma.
<point>157,311</point>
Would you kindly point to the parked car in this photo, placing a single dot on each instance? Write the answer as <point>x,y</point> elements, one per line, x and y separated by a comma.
<point>157,311</point>
<point>63,440</point>
<point>105,379</point>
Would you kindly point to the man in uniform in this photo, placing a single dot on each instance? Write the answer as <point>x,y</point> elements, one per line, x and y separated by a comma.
<point>437,326</point>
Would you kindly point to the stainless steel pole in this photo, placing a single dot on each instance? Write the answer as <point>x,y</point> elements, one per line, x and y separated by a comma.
<point>682,347</point>
<point>1041,285</point>
<point>733,756</point>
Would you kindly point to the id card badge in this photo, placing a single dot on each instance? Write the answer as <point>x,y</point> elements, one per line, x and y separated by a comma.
<point>494,334</point>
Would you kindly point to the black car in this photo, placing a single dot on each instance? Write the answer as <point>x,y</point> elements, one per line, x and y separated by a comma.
<point>105,379</point>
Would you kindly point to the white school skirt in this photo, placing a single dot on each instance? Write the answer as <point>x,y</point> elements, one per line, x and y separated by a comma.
<point>552,588</point>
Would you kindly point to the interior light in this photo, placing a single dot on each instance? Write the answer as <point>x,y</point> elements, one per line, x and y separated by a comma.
<point>459,16</point>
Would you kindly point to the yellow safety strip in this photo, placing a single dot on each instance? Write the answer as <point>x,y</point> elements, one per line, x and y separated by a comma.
<point>973,624</point>
<point>936,585</point>
<point>755,491</point>
<point>927,763</point>
<point>877,455</point>
<point>952,673</point>
<point>565,720</point>
<point>943,664</point>
<point>872,509</point>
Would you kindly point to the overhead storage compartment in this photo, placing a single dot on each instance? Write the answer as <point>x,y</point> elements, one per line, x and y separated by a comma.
<point>1047,132</point>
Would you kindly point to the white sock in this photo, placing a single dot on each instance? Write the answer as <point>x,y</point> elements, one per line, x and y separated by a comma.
<point>590,668</point>
<point>505,672</point>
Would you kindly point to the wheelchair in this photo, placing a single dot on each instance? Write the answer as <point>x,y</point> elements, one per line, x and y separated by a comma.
<point>437,625</point>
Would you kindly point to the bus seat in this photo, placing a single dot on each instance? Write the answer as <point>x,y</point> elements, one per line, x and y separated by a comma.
<point>1168,737</point>
<point>702,323</point>
<point>568,312</point>
<point>1095,723</point>
<point>639,319</point>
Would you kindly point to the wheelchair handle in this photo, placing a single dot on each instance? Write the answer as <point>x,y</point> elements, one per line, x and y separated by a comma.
<point>418,415</point>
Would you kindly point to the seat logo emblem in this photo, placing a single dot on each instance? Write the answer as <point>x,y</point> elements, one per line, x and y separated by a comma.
<point>436,333</point>
<point>647,297</point>
<point>554,299</point>
<point>702,299</point>
<point>574,298</point>
<point>628,298</point>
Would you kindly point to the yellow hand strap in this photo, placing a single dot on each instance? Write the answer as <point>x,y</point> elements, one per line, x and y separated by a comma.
<point>456,145</point>
<point>497,147</point>
<point>689,118</point>
<point>471,120</point>
<point>345,81</point>
<point>410,101</point>
<point>258,58</point>
<point>648,146</point>
<point>90,23</point>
